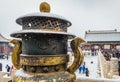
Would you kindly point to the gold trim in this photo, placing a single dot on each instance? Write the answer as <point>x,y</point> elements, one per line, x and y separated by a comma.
<point>52,29</point>
<point>43,60</point>
<point>44,69</point>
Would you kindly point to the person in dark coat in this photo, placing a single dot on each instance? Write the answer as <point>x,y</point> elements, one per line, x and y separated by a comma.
<point>0,66</point>
<point>8,68</point>
<point>87,72</point>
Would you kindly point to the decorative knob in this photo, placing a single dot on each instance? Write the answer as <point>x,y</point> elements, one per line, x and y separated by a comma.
<point>45,69</point>
<point>33,69</point>
<point>44,7</point>
<point>24,67</point>
<point>57,68</point>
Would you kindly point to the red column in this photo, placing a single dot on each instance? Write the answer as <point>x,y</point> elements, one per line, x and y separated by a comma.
<point>119,71</point>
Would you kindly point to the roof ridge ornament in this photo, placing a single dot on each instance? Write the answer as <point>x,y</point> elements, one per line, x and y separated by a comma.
<point>44,7</point>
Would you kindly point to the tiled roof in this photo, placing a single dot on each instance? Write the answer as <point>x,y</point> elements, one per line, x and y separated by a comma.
<point>99,36</point>
<point>3,39</point>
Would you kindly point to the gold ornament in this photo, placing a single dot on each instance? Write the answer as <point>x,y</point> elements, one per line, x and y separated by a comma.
<point>75,46</point>
<point>44,7</point>
<point>16,53</point>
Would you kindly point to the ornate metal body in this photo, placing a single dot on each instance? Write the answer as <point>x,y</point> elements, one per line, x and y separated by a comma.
<point>41,55</point>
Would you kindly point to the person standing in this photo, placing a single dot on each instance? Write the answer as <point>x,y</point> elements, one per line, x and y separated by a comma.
<point>87,72</point>
<point>83,68</point>
<point>8,68</point>
<point>0,66</point>
<point>80,69</point>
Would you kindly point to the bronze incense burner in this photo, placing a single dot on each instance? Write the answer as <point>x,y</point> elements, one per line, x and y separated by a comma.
<point>41,54</point>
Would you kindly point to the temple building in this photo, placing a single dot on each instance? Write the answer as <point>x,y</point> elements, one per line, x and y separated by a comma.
<point>4,46</point>
<point>104,40</point>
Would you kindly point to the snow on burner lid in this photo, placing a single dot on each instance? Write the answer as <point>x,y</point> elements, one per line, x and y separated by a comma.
<point>38,15</point>
<point>35,31</point>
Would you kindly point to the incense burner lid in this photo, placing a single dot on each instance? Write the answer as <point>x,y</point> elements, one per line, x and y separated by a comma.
<point>42,15</point>
<point>38,31</point>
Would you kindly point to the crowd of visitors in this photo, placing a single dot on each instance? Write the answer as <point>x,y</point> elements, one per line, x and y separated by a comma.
<point>111,53</point>
<point>106,54</point>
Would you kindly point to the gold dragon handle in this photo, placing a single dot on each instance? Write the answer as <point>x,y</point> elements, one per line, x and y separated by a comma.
<point>16,53</point>
<point>78,56</point>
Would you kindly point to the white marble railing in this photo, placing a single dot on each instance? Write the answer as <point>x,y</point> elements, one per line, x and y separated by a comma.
<point>102,63</point>
<point>108,69</point>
